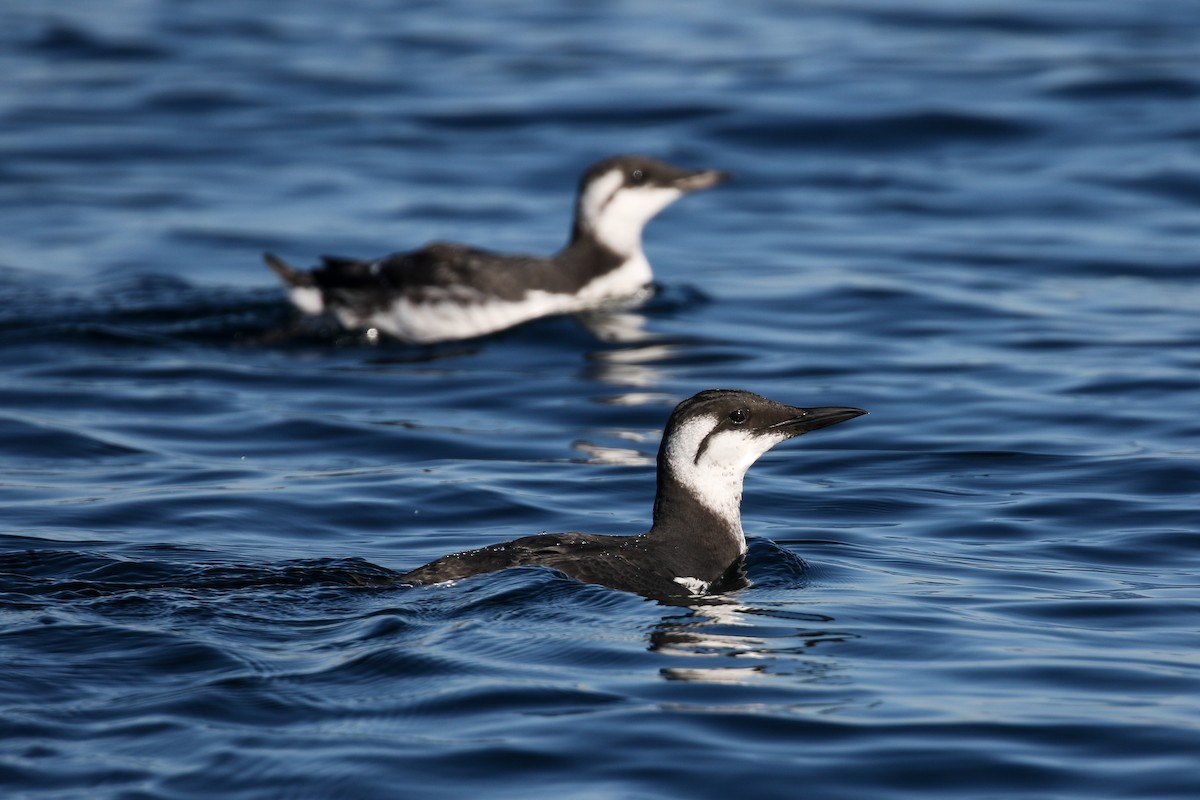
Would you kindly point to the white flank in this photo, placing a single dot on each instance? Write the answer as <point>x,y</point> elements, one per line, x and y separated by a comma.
<point>462,314</point>
<point>307,298</point>
<point>695,586</point>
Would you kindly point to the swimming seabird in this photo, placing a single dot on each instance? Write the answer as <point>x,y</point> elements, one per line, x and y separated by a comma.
<point>711,439</point>
<point>444,292</point>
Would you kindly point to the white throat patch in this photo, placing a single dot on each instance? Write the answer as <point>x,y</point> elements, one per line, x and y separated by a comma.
<point>616,214</point>
<point>713,467</point>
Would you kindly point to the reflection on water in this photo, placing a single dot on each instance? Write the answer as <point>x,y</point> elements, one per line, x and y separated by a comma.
<point>631,366</point>
<point>783,646</point>
<point>644,455</point>
<point>615,456</point>
<point>622,327</point>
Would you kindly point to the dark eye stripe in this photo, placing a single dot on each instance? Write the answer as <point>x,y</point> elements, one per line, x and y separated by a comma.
<point>703,445</point>
<point>609,199</point>
<point>742,413</point>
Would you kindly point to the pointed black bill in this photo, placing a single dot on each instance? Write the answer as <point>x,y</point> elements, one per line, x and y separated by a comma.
<point>812,419</point>
<point>693,181</point>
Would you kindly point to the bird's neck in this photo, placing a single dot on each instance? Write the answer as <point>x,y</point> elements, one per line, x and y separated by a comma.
<point>703,533</point>
<point>605,271</point>
<point>622,237</point>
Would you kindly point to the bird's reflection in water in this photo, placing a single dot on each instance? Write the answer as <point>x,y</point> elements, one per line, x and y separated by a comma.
<point>641,355</point>
<point>765,644</point>
<point>617,325</point>
<point>612,456</point>
<point>638,359</point>
<point>632,367</point>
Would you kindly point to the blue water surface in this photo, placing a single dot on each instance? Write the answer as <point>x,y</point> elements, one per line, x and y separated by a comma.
<point>977,220</point>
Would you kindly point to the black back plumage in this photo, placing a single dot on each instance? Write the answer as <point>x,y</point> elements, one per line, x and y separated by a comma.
<point>637,564</point>
<point>443,271</point>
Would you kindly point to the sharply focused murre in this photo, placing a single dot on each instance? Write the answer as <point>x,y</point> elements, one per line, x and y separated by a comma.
<point>711,439</point>
<point>442,291</point>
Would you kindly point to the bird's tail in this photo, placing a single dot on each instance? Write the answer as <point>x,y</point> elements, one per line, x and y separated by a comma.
<point>287,273</point>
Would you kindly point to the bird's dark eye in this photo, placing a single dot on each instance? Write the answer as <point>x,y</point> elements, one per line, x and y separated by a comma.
<point>637,176</point>
<point>739,416</point>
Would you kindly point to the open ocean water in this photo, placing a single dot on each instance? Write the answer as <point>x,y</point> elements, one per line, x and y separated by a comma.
<point>980,221</point>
